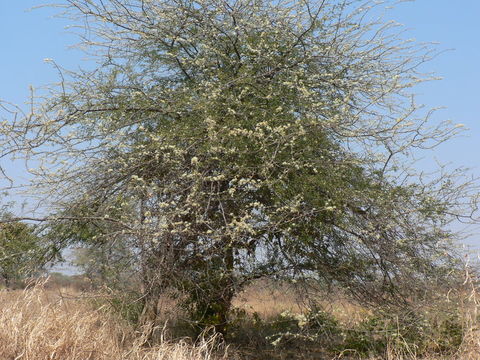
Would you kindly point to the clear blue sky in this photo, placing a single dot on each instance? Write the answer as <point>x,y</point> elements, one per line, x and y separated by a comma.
<point>28,37</point>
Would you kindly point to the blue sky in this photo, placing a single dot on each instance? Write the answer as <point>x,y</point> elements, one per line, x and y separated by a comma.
<point>28,37</point>
<point>455,26</point>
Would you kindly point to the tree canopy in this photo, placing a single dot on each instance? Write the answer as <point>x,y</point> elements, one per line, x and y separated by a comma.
<point>22,251</point>
<point>226,141</point>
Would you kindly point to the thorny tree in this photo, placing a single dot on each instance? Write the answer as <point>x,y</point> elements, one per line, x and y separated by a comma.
<point>226,141</point>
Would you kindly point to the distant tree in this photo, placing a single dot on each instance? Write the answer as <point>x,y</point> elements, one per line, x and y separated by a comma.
<point>226,141</point>
<point>21,252</point>
<point>106,264</point>
<point>103,259</point>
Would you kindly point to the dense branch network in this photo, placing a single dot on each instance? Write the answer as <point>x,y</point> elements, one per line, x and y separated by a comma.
<point>224,141</point>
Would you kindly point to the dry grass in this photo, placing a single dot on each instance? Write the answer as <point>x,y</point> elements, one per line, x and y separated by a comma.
<point>40,325</point>
<point>270,299</point>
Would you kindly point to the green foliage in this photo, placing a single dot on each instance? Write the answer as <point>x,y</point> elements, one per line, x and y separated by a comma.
<point>316,326</point>
<point>417,332</point>
<point>371,336</point>
<point>127,305</point>
<point>106,264</point>
<point>22,251</point>
<point>324,324</point>
<point>451,332</point>
<point>129,308</point>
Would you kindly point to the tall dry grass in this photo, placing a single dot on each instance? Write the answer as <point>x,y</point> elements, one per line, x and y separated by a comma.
<point>268,299</point>
<point>39,325</point>
<point>439,312</point>
<point>44,324</point>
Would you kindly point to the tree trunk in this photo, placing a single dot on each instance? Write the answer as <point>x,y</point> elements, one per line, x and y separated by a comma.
<point>226,292</point>
<point>7,281</point>
<point>148,319</point>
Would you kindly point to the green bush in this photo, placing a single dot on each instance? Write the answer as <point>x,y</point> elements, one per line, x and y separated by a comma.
<point>127,305</point>
<point>418,332</point>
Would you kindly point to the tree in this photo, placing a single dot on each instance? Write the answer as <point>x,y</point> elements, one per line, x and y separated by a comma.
<point>106,263</point>
<point>21,251</point>
<point>225,141</point>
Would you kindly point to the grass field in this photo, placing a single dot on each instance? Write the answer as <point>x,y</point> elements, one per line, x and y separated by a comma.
<point>66,324</point>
